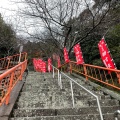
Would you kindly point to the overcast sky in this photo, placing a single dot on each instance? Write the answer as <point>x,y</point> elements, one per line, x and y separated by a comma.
<point>7,8</point>
<point>9,11</point>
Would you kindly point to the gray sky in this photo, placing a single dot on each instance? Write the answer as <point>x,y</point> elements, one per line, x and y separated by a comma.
<point>9,9</point>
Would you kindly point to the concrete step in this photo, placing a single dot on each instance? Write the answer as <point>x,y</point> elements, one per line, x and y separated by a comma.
<point>60,101</point>
<point>27,96</point>
<point>46,104</point>
<point>52,88</point>
<point>36,80</point>
<point>30,87</point>
<point>53,102</point>
<point>107,102</point>
<point>25,112</point>
<point>55,92</point>
<point>65,83</point>
<point>42,99</point>
<point>67,117</point>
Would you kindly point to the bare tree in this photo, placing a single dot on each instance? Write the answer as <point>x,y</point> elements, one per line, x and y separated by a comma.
<point>63,17</point>
<point>53,15</point>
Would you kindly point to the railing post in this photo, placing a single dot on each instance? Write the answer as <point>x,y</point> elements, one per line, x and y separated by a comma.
<point>118,76</point>
<point>60,81</point>
<point>22,71</point>
<point>53,72</point>
<point>19,58</point>
<point>72,94</point>
<point>3,63</point>
<point>8,63</point>
<point>99,108</point>
<point>70,67</point>
<point>9,89</point>
<point>85,71</point>
<point>58,78</point>
<point>25,56</point>
<point>116,114</point>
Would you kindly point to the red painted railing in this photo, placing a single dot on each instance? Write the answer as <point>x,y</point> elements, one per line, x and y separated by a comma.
<point>10,61</point>
<point>105,76</point>
<point>9,79</point>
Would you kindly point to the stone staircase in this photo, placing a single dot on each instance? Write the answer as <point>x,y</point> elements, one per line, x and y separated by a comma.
<point>42,99</point>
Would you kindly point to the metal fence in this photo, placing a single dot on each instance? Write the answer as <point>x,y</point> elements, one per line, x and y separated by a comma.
<point>60,74</point>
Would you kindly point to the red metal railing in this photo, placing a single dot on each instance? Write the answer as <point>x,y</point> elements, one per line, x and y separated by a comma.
<point>10,61</point>
<point>9,79</point>
<point>105,76</point>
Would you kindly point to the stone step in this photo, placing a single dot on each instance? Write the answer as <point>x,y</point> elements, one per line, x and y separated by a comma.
<point>47,94</point>
<point>107,102</point>
<point>64,101</point>
<point>38,87</point>
<point>68,117</point>
<point>24,112</point>
<point>44,84</point>
<point>51,101</point>
<point>79,96</point>
<point>44,104</point>
<point>42,99</point>
<point>27,96</point>
<point>53,88</point>
<point>48,77</point>
<point>65,83</point>
<point>65,89</point>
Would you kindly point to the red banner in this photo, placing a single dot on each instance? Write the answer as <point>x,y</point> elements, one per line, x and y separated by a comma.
<point>39,65</point>
<point>66,57</point>
<point>58,61</point>
<point>49,64</point>
<point>105,56</point>
<point>43,68</point>
<point>78,54</point>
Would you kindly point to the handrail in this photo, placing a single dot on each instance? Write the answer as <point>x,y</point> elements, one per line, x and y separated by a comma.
<point>8,80</point>
<point>10,61</point>
<point>106,76</point>
<point>115,70</point>
<point>71,80</point>
<point>116,113</point>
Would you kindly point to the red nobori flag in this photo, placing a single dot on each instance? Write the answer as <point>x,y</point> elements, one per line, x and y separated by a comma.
<point>58,61</point>
<point>39,65</point>
<point>66,57</point>
<point>43,67</point>
<point>105,54</point>
<point>49,64</point>
<point>78,54</point>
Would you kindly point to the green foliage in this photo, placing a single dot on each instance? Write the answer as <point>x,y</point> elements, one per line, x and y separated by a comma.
<point>7,39</point>
<point>108,27</point>
<point>113,41</point>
